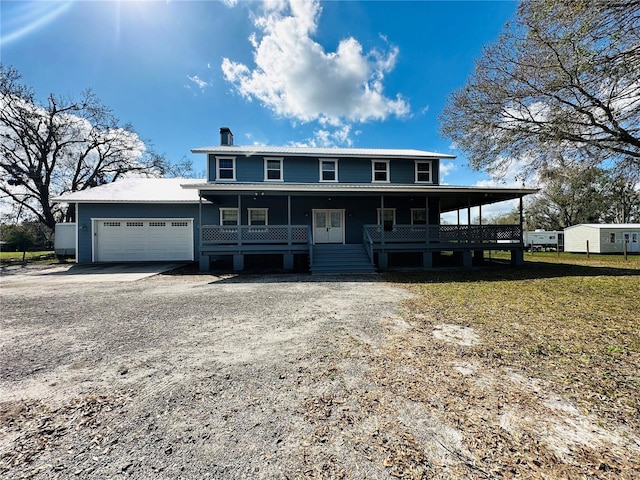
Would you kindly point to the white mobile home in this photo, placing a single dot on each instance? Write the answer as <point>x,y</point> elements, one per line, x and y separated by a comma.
<point>602,238</point>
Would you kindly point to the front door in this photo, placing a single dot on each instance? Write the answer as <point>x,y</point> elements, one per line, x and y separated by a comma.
<point>328,226</point>
<point>632,241</point>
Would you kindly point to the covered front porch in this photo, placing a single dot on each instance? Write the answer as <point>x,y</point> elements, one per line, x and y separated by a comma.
<point>312,224</point>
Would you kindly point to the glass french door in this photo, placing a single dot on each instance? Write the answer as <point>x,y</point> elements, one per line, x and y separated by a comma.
<point>328,226</point>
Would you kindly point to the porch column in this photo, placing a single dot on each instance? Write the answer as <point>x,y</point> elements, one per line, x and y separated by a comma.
<point>287,261</point>
<point>426,221</point>
<point>205,260</point>
<point>468,219</point>
<point>480,214</point>
<point>466,258</point>
<point>517,257</point>
<point>239,224</point>
<point>427,259</point>
<point>521,223</point>
<point>383,260</point>
<point>288,230</point>
<point>381,221</point>
<point>238,263</point>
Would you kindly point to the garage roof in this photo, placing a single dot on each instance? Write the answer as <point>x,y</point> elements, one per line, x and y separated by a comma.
<point>137,190</point>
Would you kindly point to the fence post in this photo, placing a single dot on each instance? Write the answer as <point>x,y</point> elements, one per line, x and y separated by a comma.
<point>587,248</point>
<point>624,247</point>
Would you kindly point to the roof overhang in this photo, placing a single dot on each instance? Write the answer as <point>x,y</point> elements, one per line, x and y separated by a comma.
<point>451,197</point>
<point>363,153</point>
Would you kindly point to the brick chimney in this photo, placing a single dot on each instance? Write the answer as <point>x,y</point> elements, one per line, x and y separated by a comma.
<point>226,137</point>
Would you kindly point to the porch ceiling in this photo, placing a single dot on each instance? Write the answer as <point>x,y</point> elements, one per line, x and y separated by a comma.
<point>451,197</point>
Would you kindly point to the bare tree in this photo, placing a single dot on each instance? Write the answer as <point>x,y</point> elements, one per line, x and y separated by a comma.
<point>63,146</point>
<point>563,77</point>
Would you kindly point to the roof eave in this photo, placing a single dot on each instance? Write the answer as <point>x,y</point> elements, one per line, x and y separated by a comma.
<point>365,155</point>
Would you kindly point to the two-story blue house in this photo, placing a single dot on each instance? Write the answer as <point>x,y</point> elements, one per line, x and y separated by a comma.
<point>328,209</point>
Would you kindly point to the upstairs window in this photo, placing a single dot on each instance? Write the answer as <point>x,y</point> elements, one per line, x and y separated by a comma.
<point>328,170</point>
<point>423,172</point>
<point>380,171</point>
<point>273,169</point>
<point>228,216</point>
<point>258,216</point>
<point>226,168</point>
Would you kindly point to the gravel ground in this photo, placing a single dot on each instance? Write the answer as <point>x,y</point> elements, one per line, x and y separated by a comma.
<point>185,376</point>
<point>257,377</point>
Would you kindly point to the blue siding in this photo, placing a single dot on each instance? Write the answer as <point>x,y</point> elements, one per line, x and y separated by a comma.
<point>359,211</point>
<point>88,211</point>
<point>307,169</point>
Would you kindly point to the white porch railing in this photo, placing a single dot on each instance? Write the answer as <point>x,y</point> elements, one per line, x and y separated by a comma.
<point>254,234</point>
<point>444,234</point>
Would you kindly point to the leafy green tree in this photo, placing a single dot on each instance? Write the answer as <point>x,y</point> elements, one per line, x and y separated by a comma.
<point>64,145</point>
<point>562,77</point>
<point>570,195</point>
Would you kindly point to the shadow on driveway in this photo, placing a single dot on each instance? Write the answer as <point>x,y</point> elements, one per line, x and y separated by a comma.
<point>96,272</point>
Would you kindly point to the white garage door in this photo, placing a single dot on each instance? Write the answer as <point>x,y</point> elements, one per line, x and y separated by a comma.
<point>137,240</point>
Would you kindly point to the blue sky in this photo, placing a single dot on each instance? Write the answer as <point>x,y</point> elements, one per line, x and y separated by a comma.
<point>371,74</point>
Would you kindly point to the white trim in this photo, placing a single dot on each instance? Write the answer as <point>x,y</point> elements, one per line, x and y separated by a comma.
<point>274,159</point>
<point>235,209</point>
<point>420,162</point>
<point>419,210</point>
<point>385,208</point>
<point>266,215</point>
<point>373,171</point>
<point>233,160</point>
<point>335,162</point>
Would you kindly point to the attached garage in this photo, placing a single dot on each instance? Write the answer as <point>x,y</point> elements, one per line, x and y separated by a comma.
<point>140,240</point>
<point>136,220</point>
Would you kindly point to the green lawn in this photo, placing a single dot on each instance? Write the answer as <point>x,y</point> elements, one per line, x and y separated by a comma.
<point>43,256</point>
<point>569,320</point>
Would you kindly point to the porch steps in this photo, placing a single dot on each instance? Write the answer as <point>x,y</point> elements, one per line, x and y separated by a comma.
<point>330,259</point>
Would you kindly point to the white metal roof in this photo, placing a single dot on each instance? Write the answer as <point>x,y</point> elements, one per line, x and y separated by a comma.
<point>249,150</point>
<point>606,225</point>
<point>137,190</point>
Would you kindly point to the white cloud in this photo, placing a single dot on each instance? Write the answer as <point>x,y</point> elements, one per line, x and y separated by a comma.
<point>201,84</point>
<point>230,3</point>
<point>297,79</point>
<point>445,169</point>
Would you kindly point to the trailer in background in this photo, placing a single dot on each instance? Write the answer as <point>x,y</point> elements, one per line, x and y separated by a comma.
<point>539,240</point>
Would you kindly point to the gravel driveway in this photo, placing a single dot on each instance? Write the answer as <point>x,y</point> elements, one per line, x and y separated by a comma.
<point>190,376</point>
<point>271,377</point>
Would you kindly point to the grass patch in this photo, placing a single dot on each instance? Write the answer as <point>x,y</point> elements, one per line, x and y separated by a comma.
<point>42,256</point>
<point>570,320</point>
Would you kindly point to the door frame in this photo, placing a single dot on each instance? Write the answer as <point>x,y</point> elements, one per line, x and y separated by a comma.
<point>343,222</point>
